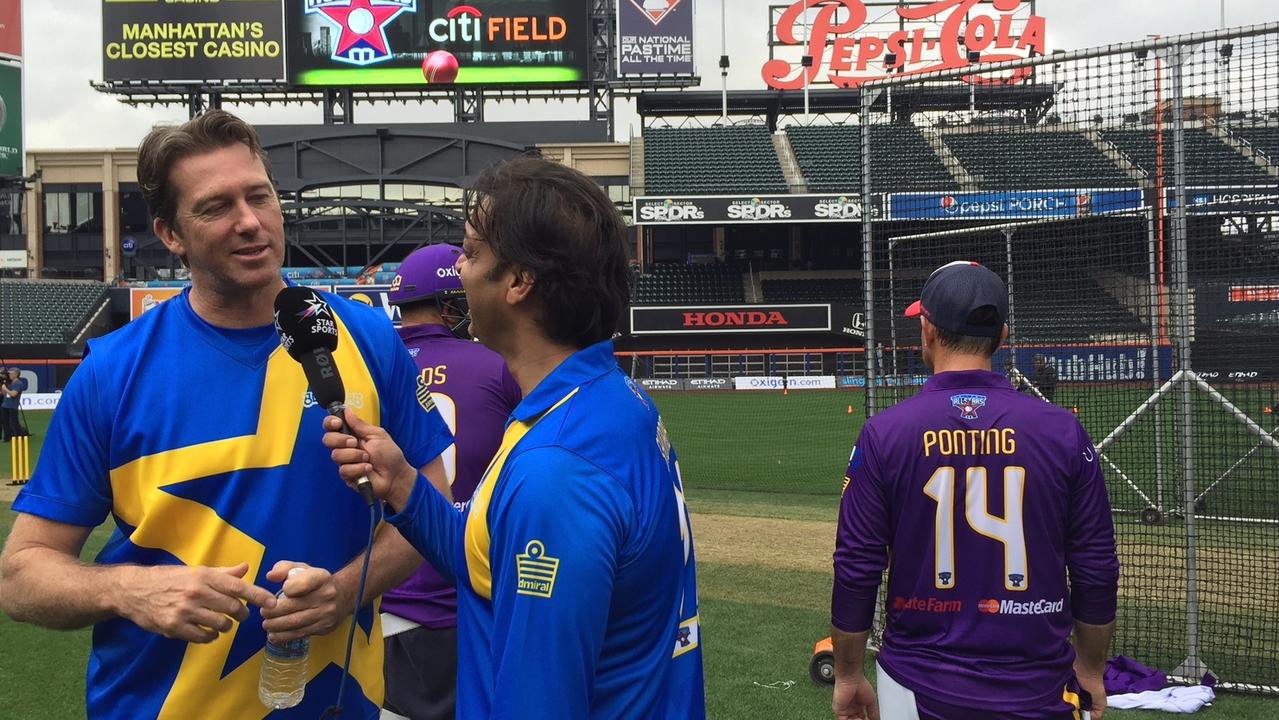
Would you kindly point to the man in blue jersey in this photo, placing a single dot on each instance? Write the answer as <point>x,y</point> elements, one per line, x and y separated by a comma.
<point>986,500</point>
<point>475,393</point>
<point>574,559</point>
<point>195,432</point>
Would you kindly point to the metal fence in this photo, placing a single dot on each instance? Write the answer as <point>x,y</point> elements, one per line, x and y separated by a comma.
<point>1129,195</point>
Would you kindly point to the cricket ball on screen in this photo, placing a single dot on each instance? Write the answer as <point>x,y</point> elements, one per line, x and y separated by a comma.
<point>439,67</point>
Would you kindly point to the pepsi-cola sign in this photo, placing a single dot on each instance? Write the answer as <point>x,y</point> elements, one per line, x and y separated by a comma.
<point>841,37</point>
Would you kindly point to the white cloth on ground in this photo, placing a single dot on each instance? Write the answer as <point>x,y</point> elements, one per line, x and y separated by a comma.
<point>1170,699</point>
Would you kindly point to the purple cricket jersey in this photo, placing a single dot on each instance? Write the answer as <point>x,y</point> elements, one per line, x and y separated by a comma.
<point>475,394</point>
<point>984,498</point>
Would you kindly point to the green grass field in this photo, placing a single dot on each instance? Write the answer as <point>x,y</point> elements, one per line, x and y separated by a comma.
<point>762,473</point>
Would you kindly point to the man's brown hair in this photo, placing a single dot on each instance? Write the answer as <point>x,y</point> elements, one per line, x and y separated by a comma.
<point>165,145</point>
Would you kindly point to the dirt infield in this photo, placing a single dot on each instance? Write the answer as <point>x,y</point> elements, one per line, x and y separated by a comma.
<point>764,542</point>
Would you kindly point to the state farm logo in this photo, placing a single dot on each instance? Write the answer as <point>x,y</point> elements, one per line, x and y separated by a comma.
<point>840,208</point>
<point>757,209</point>
<point>748,318</point>
<point>990,606</point>
<point>672,211</point>
<point>927,605</point>
<point>655,10</point>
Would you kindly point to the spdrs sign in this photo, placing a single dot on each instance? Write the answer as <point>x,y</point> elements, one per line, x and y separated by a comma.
<point>160,40</point>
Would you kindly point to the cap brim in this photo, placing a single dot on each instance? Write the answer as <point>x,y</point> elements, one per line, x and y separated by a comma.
<point>915,309</point>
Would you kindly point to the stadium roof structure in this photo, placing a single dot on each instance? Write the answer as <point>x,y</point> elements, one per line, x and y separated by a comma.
<point>1035,99</point>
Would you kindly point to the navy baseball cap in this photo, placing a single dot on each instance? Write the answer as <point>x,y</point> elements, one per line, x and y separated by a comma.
<point>954,295</point>
<point>426,273</point>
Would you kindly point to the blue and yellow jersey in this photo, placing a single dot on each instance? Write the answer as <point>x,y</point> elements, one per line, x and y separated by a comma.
<point>203,444</point>
<point>574,560</point>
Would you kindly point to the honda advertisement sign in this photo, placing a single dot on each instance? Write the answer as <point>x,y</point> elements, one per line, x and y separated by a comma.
<point>744,209</point>
<point>730,319</point>
<point>654,37</point>
<point>1011,204</point>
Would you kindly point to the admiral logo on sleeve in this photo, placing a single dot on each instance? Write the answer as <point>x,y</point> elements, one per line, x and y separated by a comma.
<point>424,394</point>
<point>536,571</point>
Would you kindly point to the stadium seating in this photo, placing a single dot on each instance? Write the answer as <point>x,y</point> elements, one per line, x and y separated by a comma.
<point>711,161</point>
<point>679,284</point>
<point>1262,137</point>
<point>830,158</point>
<point>1209,161</point>
<point>42,312</point>
<point>1030,160</point>
<point>824,290</point>
<point>1092,314</point>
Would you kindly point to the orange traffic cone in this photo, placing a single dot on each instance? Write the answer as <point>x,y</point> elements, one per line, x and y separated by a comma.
<point>786,391</point>
<point>1268,411</point>
<point>850,409</point>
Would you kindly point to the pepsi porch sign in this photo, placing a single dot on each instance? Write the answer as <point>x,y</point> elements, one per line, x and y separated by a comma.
<point>1011,204</point>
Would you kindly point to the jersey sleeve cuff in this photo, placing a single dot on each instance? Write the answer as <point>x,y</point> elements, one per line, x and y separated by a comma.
<point>408,515</point>
<point>431,450</point>
<point>851,611</point>
<point>1094,605</point>
<point>50,509</point>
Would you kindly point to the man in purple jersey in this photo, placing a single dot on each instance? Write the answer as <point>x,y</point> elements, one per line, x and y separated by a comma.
<point>475,394</point>
<point>987,501</point>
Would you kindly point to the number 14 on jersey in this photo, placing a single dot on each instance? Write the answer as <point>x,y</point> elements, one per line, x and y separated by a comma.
<point>1008,530</point>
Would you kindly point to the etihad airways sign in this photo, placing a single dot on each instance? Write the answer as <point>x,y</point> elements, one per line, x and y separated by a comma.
<point>730,319</point>
<point>849,47</point>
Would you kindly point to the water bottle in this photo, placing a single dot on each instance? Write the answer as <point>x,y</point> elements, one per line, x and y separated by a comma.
<point>283,679</point>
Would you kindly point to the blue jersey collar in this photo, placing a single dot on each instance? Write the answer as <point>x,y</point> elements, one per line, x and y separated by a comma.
<point>965,379</point>
<point>577,369</point>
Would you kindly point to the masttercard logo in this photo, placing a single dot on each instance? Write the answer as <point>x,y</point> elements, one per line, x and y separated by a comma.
<point>655,10</point>
<point>990,606</point>
<point>361,26</point>
<point>536,571</point>
<point>968,405</point>
<point>927,605</point>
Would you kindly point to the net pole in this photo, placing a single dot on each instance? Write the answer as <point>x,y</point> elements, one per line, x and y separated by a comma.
<point>1012,315</point>
<point>892,303</point>
<point>1152,314</point>
<point>868,251</point>
<point>1193,667</point>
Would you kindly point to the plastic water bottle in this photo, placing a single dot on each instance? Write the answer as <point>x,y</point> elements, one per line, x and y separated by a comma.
<point>283,680</point>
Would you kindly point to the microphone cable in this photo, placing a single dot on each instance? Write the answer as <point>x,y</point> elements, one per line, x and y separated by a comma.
<point>335,710</point>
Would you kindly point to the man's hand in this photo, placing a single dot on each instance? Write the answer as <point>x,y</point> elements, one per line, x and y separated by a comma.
<point>375,456</point>
<point>195,604</point>
<point>1093,684</point>
<point>310,605</point>
<point>855,699</point>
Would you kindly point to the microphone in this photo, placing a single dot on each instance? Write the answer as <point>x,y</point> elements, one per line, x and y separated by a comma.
<point>309,334</point>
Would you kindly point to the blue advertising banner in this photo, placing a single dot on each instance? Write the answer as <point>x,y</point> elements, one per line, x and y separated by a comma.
<point>1011,204</point>
<point>1093,363</point>
<point>1236,200</point>
<point>373,296</point>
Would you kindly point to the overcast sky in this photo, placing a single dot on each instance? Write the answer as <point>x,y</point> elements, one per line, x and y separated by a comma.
<point>62,40</point>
